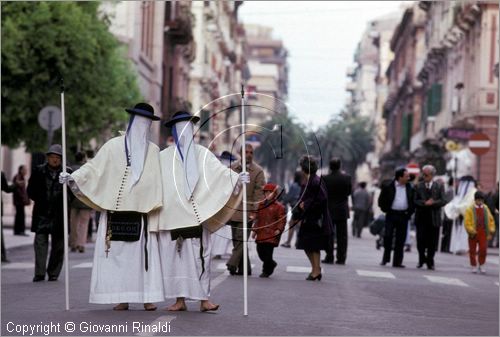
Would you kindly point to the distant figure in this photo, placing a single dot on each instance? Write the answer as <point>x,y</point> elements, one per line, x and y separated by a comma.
<point>267,229</point>
<point>396,201</point>
<point>21,200</point>
<point>292,199</point>
<point>447,222</point>
<point>361,204</point>
<point>480,227</point>
<point>7,189</point>
<point>339,188</point>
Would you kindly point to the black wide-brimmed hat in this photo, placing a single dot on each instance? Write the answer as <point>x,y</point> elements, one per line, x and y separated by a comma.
<point>145,110</point>
<point>180,116</point>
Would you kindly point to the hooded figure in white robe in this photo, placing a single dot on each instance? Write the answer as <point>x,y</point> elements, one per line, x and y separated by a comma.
<point>455,210</point>
<point>199,196</point>
<point>123,176</point>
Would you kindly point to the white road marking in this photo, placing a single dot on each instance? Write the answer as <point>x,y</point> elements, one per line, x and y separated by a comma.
<point>446,280</point>
<point>83,265</point>
<point>369,273</point>
<point>160,326</point>
<point>294,269</point>
<point>494,261</point>
<point>496,283</point>
<point>18,265</point>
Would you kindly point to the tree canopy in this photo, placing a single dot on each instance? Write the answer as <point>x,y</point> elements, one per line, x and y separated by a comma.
<point>44,41</point>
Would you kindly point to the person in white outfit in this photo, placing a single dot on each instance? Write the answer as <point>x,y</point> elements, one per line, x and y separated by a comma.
<point>199,196</point>
<point>122,182</point>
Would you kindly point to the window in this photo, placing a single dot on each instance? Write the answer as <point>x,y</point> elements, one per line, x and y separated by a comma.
<point>147,8</point>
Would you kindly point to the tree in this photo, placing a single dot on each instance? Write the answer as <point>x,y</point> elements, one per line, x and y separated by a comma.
<point>44,41</point>
<point>348,137</point>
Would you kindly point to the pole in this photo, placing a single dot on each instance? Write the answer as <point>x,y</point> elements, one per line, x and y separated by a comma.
<point>65,200</point>
<point>245,222</point>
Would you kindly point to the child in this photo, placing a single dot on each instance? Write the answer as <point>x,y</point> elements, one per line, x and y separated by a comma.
<point>480,226</point>
<point>268,226</point>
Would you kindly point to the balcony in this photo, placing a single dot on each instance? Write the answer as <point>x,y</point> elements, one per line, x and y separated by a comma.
<point>180,30</point>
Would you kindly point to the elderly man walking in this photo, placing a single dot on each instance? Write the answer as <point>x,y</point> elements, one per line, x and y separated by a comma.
<point>429,199</point>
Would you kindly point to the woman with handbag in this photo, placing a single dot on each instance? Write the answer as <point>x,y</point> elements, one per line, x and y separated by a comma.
<point>21,200</point>
<point>316,227</point>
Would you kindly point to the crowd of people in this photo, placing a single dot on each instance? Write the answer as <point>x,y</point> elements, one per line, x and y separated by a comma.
<point>163,215</point>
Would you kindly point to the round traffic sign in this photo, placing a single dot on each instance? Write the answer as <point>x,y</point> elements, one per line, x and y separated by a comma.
<point>479,143</point>
<point>50,118</point>
<point>413,168</point>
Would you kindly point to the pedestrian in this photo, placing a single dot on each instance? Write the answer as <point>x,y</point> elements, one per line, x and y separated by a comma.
<point>292,200</point>
<point>429,199</point>
<point>396,201</point>
<point>200,194</point>
<point>21,200</point>
<point>480,227</point>
<point>316,228</point>
<point>267,228</point>
<point>447,222</point>
<point>7,189</point>
<point>79,215</point>
<point>122,182</point>
<point>48,215</point>
<point>492,202</point>
<point>361,204</point>
<point>339,187</point>
<point>254,197</point>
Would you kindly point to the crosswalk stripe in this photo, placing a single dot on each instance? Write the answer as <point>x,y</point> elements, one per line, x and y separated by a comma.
<point>494,261</point>
<point>18,265</point>
<point>162,321</point>
<point>83,265</point>
<point>446,280</point>
<point>369,273</point>
<point>294,269</point>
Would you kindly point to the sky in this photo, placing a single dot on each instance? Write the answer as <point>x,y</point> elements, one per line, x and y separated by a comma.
<point>321,38</point>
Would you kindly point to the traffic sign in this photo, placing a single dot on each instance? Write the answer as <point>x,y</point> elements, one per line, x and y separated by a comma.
<point>49,118</point>
<point>413,168</point>
<point>479,143</point>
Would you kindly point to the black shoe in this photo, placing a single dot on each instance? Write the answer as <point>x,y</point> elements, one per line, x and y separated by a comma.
<point>240,272</point>
<point>430,266</point>
<point>38,278</point>
<point>340,262</point>
<point>286,245</point>
<point>399,266</point>
<point>420,265</point>
<point>383,263</point>
<point>232,269</point>
<point>314,278</point>
<point>52,278</point>
<point>264,275</point>
<point>327,261</point>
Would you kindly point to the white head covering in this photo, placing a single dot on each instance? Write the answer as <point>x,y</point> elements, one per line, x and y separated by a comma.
<point>184,140</point>
<point>137,138</point>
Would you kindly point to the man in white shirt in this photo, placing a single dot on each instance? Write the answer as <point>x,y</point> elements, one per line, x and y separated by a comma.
<point>396,200</point>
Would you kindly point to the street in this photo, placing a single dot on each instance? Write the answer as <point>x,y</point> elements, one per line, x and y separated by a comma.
<point>360,298</point>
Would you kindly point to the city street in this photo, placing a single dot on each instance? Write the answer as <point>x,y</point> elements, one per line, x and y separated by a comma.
<point>360,298</point>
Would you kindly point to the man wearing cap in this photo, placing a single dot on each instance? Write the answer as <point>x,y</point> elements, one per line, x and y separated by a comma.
<point>199,195</point>
<point>121,181</point>
<point>48,215</point>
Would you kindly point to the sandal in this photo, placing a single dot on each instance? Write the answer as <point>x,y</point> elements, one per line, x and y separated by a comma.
<point>214,308</point>
<point>121,307</point>
<point>172,308</point>
<point>149,307</point>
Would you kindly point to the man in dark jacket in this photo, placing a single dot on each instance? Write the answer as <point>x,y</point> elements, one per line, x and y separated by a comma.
<point>396,201</point>
<point>429,199</point>
<point>339,188</point>
<point>46,192</point>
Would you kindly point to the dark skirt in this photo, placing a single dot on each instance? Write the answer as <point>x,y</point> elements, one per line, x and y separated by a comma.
<point>311,237</point>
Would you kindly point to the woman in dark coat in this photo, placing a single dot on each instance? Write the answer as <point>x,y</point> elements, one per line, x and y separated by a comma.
<point>316,225</point>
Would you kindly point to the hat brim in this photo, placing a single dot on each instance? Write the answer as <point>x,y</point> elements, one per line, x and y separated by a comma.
<point>59,154</point>
<point>143,114</point>
<point>193,119</point>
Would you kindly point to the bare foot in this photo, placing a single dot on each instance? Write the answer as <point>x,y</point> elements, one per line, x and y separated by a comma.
<point>121,306</point>
<point>149,307</point>
<point>208,306</point>
<point>178,306</point>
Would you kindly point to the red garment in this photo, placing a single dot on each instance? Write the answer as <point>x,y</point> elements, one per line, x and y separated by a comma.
<point>479,239</point>
<point>479,216</point>
<point>270,217</point>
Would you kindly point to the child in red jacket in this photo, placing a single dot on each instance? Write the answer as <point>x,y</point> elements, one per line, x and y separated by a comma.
<point>267,228</point>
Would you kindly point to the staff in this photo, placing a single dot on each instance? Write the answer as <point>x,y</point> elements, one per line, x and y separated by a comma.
<point>245,223</point>
<point>65,200</point>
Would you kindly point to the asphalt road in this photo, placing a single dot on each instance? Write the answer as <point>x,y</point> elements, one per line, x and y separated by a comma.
<point>360,298</point>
